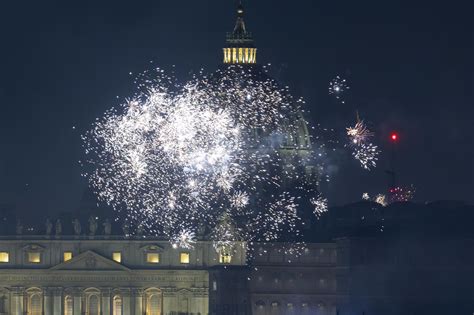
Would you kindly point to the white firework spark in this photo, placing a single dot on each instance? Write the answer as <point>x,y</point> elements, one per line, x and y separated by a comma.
<point>381,199</point>
<point>239,199</point>
<point>184,239</point>
<point>337,87</point>
<point>367,155</point>
<point>320,205</point>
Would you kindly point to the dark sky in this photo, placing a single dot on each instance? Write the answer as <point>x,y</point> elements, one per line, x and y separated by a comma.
<point>410,69</point>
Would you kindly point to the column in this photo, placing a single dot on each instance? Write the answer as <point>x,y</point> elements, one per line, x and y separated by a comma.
<point>137,295</point>
<point>47,309</point>
<point>126,303</point>
<point>169,301</point>
<point>57,302</point>
<point>17,301</point>
<point>106,302</point>
<point>77,303</point>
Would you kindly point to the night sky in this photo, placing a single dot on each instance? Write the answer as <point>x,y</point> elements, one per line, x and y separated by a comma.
<point>63,63</point>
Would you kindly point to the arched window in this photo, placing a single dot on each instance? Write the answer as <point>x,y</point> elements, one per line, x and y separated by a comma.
<point>117,305</point>
<point>91,301</point>
<point>275,308</point>
<point>305,308</point>
<point>93,305</point>
<point>183,305</point>
<point>153,302</point>
<point>36,304</point>
<point>68,305</point>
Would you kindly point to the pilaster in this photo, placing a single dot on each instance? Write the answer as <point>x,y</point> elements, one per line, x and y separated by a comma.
<point>17,301</point>
<point>77,304</point>
<point>106,301</point>
<point>126,307</point>
<point>169,300</point>
<point>47,302</point>
<point>57,301</point>
<point>137,295</point>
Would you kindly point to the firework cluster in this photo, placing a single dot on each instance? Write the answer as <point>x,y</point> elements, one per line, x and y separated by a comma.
<point>396,194</point>
<point>217,156</point>
<point>359,136</point>
<point>337,87</point>
<point>402,194</point>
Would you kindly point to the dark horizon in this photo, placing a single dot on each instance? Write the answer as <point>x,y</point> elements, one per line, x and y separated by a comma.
<point>410,70</point>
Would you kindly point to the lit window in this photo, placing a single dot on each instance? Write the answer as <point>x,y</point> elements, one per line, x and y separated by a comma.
<point>4,257</point>
<point>34,257</point>
<point>152,258</point>
<point>225,258</point>
<point>67,256</point>
<point>184,258</point>
<point>117,305</point>
<point>68,305</point>
<point>117,256</point>
<point>35,305</point>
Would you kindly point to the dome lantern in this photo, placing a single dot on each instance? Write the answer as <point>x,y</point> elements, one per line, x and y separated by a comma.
<point>240,47</point>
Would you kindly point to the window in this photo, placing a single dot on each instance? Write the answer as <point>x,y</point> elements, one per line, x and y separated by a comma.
<point>34,257</point>
<point>67,256</point>
<point>4,257</point>
<point>93,305</point>
<point>184,258</point>
<point>36,305</point>
<point>152,258</point>
<point>153,302</point>
<point>225,258</point>
<point>68,305</point>
<point>117,305</point>
<point>117,256</point>
<point>154,305</point>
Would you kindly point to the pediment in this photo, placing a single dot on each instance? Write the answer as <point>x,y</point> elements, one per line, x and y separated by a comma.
<point>90,260</point>
<point>33,248</point>
<point>152,248</point>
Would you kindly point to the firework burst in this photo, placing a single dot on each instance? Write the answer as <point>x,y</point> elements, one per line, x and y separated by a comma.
<point>362,149</point>
<point>359,133</point>
<point>174,157</point>
<point>337,87</point>
<point>184,239</point>
<point>320,205</point>
<point>402,194</point>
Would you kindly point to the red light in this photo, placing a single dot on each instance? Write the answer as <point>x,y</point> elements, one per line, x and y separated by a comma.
<point>394,137</point>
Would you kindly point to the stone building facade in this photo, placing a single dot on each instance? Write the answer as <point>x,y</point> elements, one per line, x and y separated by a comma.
<point>86,275</point>
<point>117,275</point>
<point>105,276</point>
